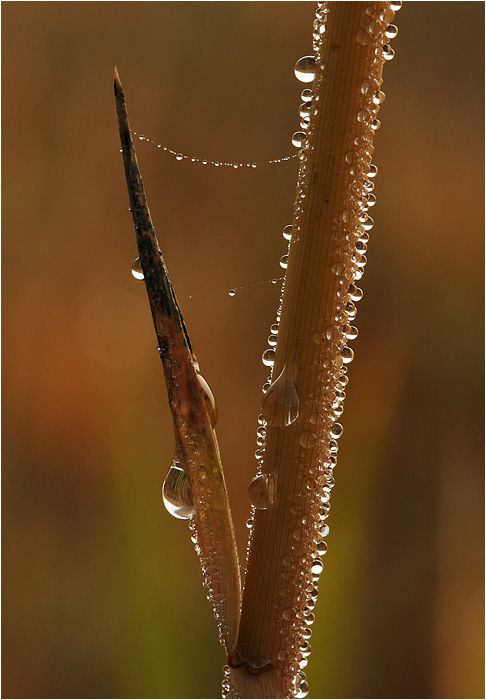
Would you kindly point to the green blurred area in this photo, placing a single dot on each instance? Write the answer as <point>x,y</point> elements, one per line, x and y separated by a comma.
<point>102,593</point>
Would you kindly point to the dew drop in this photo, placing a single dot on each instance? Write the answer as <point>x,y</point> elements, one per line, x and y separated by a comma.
<point>347,354</point>
<point>388,52</point>
<point>316,568</point>
<point>336,430</point>
<point>362,37</point>
<point>284,261</point>
<point>308,439</point>
<point>268,357</point>
<point>396,5</point>
<point>274,328</point>
<point>232,292</point>
<point>280,405</point>
<point>261,491</point>
<point>209,400</point>
<point>306,95</point>
<point>339,268</point>
<point>287,232</point>
<point>177,492</point>
<point>298,138</point>
<point>392,31</point>
<point>355,292</point>
<point>372,170</point>
<point>136,268</point>
<point>179,156</point>
<point>305,69</point>
<point>351,332</point>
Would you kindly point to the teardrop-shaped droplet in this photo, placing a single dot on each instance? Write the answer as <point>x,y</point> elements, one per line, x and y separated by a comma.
<point>137,271</point>
<point>177,492</point>
<point>261,491</point>
<point>305,69</point>
<point>280,405</point>
<point>209,400</point>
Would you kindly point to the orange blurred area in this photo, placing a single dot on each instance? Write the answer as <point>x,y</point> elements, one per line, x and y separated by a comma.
<point>102,593</point>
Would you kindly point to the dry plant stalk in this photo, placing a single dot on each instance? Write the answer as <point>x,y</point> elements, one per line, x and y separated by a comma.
<point>268,645</point>
<point>194,489</point>
<point>304,401</point>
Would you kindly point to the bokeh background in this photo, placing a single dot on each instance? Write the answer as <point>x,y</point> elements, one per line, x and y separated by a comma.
<point>102,593</point>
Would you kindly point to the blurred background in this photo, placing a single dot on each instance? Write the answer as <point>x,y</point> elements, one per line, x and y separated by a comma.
<point>102,593</point>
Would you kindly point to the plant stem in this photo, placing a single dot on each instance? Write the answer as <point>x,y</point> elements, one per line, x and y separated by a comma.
<point>192,407</point>
<point>330,217</point>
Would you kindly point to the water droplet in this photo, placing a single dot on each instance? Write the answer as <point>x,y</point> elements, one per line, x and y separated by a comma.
<point>179,156</point>
<point>305,69</point>
<point>372,170</point>
<point>308,439</point>
<point>209,400</point>
<point>280,405</point>
<point>303,690</point>
<point>355,292</point>
<point>232,292</point>
<point>272,340</point>
<point>249,523</point>
<point>321,548</point>
<point>351,332</point>
<point>268,357</point>
<point>339,268</point>
<point>261,491</point>
<point>317,567</point>
<point>137,271</point>
<point>336,430</point>
<point>392,31</point>
<point>274,328</point>
<point>388,52</point>
<point>362,37</point>
<point>284,261</point>
<point>177,492</point>
<point>347,354</point>
<point>287,232</point>
<point>298,138</point>
<point>379,97</point>
<point>306,95</point>
<point>396,5</point>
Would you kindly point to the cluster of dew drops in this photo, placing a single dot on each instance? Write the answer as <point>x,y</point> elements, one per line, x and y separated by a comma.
<point>353,230</point>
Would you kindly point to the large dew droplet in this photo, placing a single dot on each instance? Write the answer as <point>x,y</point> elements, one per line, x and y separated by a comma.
<point>305,69</point>
<point>136,268</point>
<point>280,405</point>
<point>209,400</point>
<point>177,492</point>
<point>261,491</point>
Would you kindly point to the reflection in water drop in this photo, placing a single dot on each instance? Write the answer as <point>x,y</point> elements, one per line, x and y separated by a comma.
<point>280,405</point>
<point>136,268</point>
<point>305,69</point>
<point>177,492</point>
<point>261,491</point>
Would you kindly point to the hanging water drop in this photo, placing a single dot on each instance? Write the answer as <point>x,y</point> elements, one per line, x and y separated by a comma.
<point>136,268</point>
<point>298,139</point>
<point>177,492</point>
<point>347,354</point>
<point>336,430</point>
<point>261,491</point>
<point>280,405</point>
<point>305,69</point>
<point>179,156</point>
<point>268,357</point>
<point>306,95</point>
<point>232,292</point>
<point>284,261</point>
<point>287,232</point>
